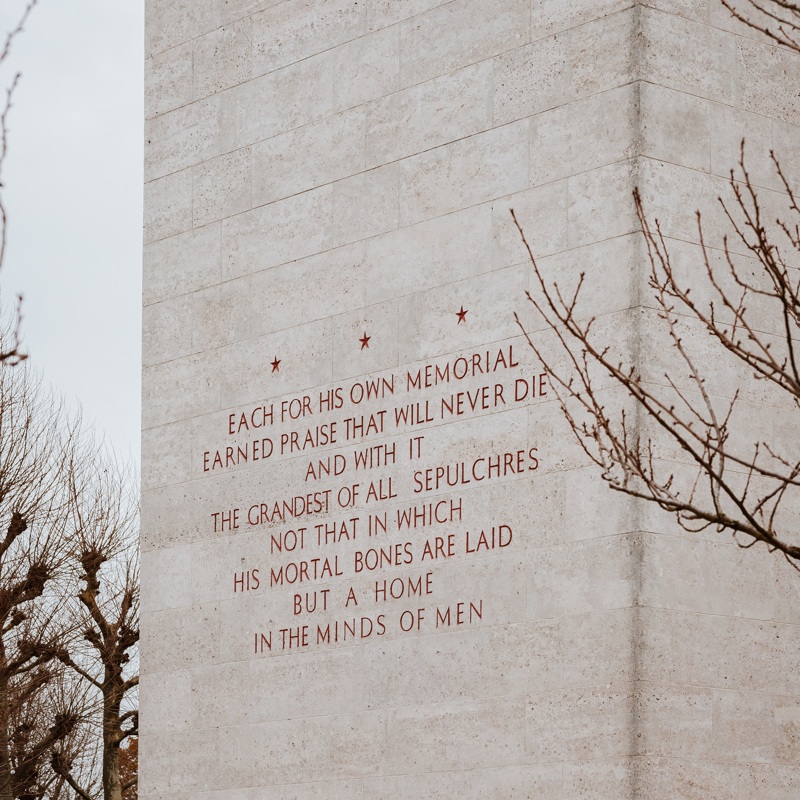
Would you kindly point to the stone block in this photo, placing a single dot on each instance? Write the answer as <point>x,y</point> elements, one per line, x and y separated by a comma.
<point>603,576</point>
<point>182,263</point>
<point>428,254</point>
<point>384,13</point>
<point>176,438</point>
<point>460,33</point>
<point>291,31</point>
<point>367,68</point>
<point>428,738</point>
<point>308,157</point>
<point>431,318</point>
<point>552,72</point>
<point>169,24</point>
<point>342,747</point>
<point>275,103</point>
<point>181,138</point>
<point>179,761</point>
<point>222,187</point>
<point>688,56</point>
<point>580,724</point>
<point>366,205</point>
<point>550,17</point>
<point>164,389</point>
<point>430,114</point>
<point>180,638</point>
<point>464,173</point>
<point>679,127</point>
<point>517,783</point>
<point>586,134</point>
<point>289,295</point>
<point>167,330</point>
<point>168,206</point>
<point>765,76</point>
<point>274,234</point>
<point>169,80</point>
<point>223,58</point>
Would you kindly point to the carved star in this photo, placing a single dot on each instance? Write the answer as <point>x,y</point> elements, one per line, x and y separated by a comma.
<point>462,315</point>
<point>364,340</point>
<point>276,363</point>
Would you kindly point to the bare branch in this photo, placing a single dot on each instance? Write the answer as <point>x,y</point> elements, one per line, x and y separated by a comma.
<point>11,354</point>
<point>61,768</point>
<point>734,488</point>
<point>779,20</point>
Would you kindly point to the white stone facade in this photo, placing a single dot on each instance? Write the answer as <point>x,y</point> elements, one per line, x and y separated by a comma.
<point>321,172</point>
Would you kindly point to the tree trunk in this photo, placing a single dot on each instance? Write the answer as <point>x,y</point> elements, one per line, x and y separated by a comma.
<point>6,782</point>
<point>112,787</point>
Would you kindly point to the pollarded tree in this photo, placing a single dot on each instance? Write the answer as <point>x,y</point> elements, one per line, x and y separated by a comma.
<point>69,604</point>
<point>49,689</point>
<point>37,444</point>
<point>54,720</point>
<point>105,606</point>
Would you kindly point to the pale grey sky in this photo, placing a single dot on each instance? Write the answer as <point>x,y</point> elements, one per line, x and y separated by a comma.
<point>73,190</point>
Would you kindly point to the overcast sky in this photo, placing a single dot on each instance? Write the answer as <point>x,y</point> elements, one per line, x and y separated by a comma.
<point>73,191</point>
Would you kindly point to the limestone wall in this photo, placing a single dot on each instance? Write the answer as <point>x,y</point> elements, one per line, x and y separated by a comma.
<point>330,277</point>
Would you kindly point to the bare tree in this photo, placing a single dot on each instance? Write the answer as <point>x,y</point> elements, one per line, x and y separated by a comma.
<point>69,585</point>
<point>106,603</point>
<point>752,313</point>
<point>36,451</point>
<point>11,352</point>
<point>52,723</point>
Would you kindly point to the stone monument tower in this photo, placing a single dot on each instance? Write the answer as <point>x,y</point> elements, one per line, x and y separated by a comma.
<point>374,562</point>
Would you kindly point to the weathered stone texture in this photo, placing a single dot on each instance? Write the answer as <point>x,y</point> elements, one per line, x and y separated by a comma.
<point>319,170</point>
